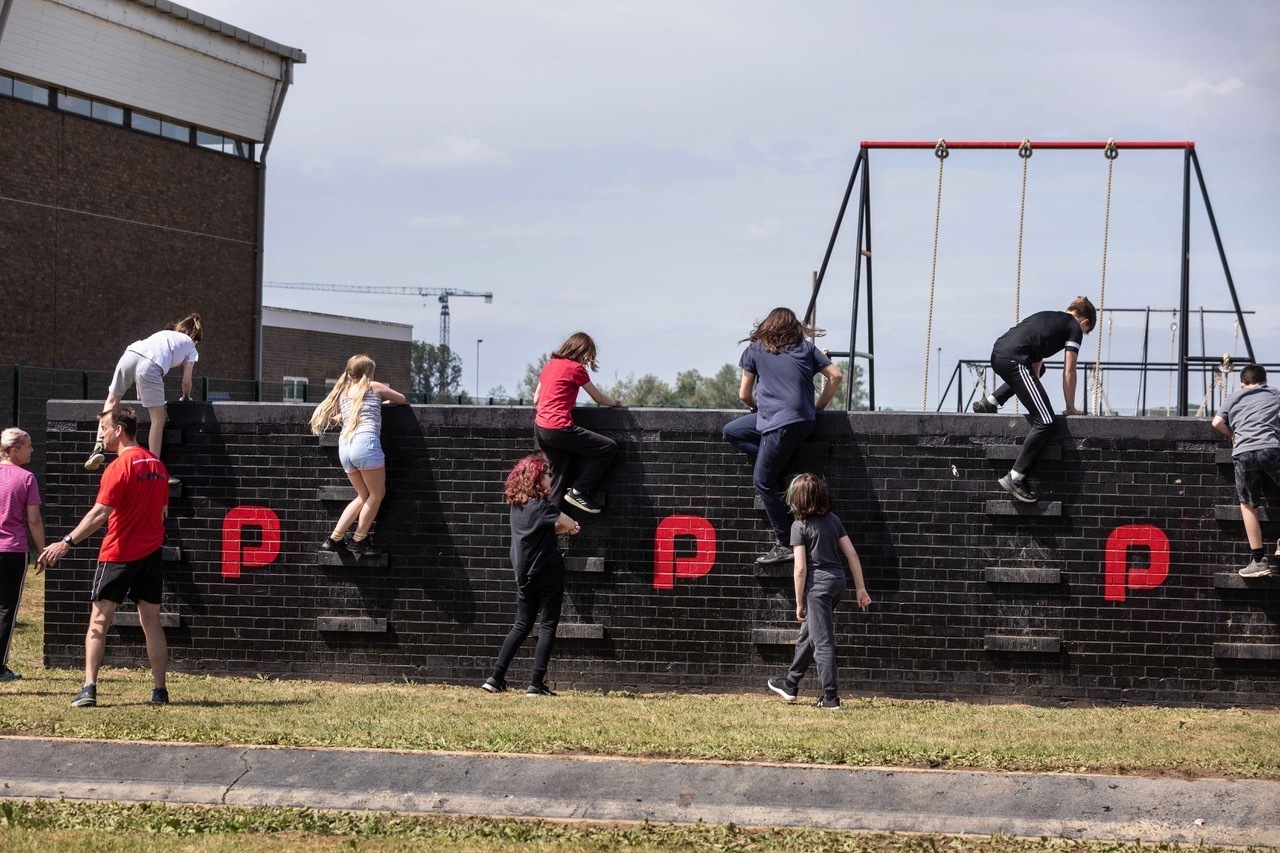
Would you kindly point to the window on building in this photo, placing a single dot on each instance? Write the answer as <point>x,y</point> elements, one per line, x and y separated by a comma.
<point>295,389</point>
<point>107,112</point>
<point>75,104</point>
<point>31,92</point>
<point>6,85</point>
<point>173,130</point>
<point>145,123</point>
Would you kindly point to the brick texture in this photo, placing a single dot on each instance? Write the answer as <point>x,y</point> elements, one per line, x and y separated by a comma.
<point>321,355</point>
<point>969,603</point>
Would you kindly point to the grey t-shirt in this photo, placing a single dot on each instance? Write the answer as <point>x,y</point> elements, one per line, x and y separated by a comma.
<point>784,383</point>
<point>1252,414</point>
<point>820,535</point>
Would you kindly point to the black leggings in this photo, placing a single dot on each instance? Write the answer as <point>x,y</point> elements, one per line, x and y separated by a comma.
<point>563,448</point>
<point>541,599</point>
<point>13,571</point>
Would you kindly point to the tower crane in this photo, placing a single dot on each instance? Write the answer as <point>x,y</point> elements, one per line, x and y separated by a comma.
<point>442,294</point>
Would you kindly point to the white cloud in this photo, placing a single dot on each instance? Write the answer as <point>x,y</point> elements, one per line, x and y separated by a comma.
<point>441,221</point>
<point>448,152</point>
<point>765,229</point>
<point>1200,86</point>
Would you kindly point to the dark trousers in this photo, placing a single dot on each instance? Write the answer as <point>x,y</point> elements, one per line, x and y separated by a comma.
<point>817,641</point>
<point>771,452</point>
<point>13,571</point>
<point>564,447</point>
<point>540,599</point>
<point>1004,393</point>
<point>1022,378</point>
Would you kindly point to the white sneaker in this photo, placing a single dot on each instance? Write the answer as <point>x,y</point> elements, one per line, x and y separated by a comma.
<point>1259,568</point>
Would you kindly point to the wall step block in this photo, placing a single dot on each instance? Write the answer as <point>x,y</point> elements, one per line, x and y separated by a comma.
<point>1231,512</point>
<point>343,558</point>
<point>171,553</point>
<point>1017,644</point>
<point>129,619</point>
<point>1018,575</point>
<point>1010,452</point>
<point>584,565</point>
<point>773,570</point>
<point>351,624</point>
<point>336,493</point>
<point>1040,509</point>
<point>774,636</point>
<point>1247,651</point>
<point>579,631</point>
<point>1223,456</point>
<point>175,490</point>
<point>1232,580</point>
<point>330,438</point>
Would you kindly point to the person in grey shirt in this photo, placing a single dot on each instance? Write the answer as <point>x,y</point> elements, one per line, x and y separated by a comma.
<point>1251,419</point>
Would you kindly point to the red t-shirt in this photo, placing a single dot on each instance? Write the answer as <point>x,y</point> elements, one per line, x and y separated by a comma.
<point>560,381</point>
<point>136,487</point>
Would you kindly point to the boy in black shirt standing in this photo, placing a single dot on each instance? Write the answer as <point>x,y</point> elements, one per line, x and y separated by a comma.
<point>1018,358</point>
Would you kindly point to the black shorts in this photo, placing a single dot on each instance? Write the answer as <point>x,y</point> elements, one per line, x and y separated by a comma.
<point>1255,470</point>
<point>141,580</point>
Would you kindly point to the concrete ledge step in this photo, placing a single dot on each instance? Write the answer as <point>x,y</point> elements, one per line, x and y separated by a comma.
<point>351,624</point>
<point>579,631</point>
<point>1232,580</point>
<point>1009,452</point>
<point>335,493</point>
<point>171,553</point>
<point>773,570</point>
<point>343,558</point>
<point>1223,456</point>
<point>1247,651</point>
<point>329,439</point>
<point>1040,509</point>
<point>1011,574</point>
<point>1022,645</point>
<point>774,636</point>
<point>129,619</point>
<point>584,565</point>
<point>1231,512</point>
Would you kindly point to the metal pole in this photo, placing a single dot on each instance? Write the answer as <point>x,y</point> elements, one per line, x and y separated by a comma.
<point>1222,255</point>
<point>831,244</point>
<point>1141,405</point>
<point>479,341</point>
<point>871,325</point>
<point>1184,299</point>
<point>857,285</point>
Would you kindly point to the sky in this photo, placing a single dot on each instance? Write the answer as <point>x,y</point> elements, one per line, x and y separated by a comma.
<point>662,174</point>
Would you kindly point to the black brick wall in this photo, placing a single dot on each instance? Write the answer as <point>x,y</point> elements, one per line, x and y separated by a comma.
<point>975,597</point>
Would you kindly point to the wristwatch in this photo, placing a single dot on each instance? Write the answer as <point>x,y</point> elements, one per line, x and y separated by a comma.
<point>71,543</point>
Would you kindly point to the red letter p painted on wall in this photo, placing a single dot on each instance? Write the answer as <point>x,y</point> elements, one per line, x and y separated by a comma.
<point>234,553</point>
<point>666,566</point>
<point>1118,576</point>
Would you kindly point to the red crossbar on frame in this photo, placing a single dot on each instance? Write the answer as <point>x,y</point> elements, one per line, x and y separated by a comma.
<point>1083,146</point>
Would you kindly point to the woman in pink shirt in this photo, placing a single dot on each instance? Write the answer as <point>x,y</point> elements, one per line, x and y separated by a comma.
<point>558,437</point>
<point>19,509</point>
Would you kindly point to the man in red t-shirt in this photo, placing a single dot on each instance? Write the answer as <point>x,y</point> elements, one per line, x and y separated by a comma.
<point>133,500</point>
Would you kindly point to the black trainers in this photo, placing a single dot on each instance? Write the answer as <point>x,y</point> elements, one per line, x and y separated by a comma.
<point>538,690</point>
<point>493,685</point>
<point>779,686</point>
<point>87,697</point>
<point>96,458</point>
<point>361,548</point>
<point>582,502</point>
<point>7,674</point>
<point>828,703</point>
<point>331,544</point>
<point>1259,568</point>
<point>777,554</point>
<point>159,696</point>
<point>983,406</point>
<point>1018,489</point>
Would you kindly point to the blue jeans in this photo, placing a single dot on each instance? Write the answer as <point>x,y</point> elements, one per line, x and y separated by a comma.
<point>771,451</point>
<point>817,641</point>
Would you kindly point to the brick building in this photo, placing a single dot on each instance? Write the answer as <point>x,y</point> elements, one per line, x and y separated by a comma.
<point>132,177</point>
<point>303,347</point>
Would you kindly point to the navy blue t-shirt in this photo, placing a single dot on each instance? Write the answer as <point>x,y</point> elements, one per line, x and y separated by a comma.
<point>1039,336</point>
<point>784,383</point>
<point>534,551</point>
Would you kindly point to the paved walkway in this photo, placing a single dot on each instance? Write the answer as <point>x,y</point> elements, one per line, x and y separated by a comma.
<point>606,789</point>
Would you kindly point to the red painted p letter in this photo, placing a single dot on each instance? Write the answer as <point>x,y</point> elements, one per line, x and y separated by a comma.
<point>234,553</point>
<point>666,566</point>
<point>1118,576</point>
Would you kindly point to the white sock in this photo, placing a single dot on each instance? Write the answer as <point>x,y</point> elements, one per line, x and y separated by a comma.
<point>1015,476</point>
<point>992,400</point>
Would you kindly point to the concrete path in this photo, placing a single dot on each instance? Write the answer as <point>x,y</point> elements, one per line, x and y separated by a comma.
<point>605,789</point>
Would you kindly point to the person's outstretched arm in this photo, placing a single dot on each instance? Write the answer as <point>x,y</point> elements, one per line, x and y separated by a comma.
<point>855,566</point>
<point>1069,358</point>
<point>834,376</point>
<point>801,570</point>
<point>746,389</point>
<point>187,370</point>
<point>386,392</point>
<point>599,396</point>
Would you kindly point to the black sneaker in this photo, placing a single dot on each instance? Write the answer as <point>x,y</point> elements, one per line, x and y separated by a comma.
<point>159,696</point>
<point>582,502</point>
<point>493,685</point>
<point>1259,568</point>
<point>361,548</point>
<point>96,458</point>
<point>983,406</point>
<point>331,544</point>
<point>779,686</point>
<point>7,674</point>
<point>538,690</point>
<point>1018,489</point>
<point>828,703</point>
<point>777,554</point>
<point>87,697</point>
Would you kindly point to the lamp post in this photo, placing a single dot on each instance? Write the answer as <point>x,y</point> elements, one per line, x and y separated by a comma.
<point>479,341</point>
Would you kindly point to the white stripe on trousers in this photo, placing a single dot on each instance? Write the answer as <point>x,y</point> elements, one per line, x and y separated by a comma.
<point>1041,399</point>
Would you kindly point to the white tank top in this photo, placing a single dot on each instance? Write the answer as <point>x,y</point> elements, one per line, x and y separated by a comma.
<point>370,413</point>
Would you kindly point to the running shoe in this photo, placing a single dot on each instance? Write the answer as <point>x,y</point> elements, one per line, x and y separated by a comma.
<point>780,686</point>
<point>87,697</point>
<point>1019,489</point>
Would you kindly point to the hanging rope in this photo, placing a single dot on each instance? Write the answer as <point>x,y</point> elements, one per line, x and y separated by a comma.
<point>940,151</point>
<point>1025,152</point>
<point>1173,336</point>
<point>1111,153</point>
<point>1221,379</point>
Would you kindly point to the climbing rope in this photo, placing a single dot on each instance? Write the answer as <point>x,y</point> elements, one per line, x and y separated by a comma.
<point>940,151</point>
<point>1111,153</point>
<point>1173,335</point>
<point>1221,379</point>
<point>1025,152</point>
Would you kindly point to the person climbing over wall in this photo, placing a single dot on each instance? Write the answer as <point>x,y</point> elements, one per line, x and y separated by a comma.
<point>1018,357</point>
<point>144,365</point>
<point>1251,419</point>
<point>778,367</point>
<point>356,403</point>
<point>563,441</point>
<point>819,540</point>
<point>539,569</point>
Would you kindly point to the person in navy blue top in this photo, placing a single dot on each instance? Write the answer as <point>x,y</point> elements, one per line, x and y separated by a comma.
<point>1018,357</point>
<point>778,367</point>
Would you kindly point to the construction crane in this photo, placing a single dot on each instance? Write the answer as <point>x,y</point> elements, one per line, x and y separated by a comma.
<point>442,294</point>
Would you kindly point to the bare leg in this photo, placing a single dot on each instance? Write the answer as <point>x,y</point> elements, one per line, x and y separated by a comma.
<point>352,510</point>
<point>155,435</point>
<point>95,640</point>
<point>1252,527</point>
<point>157,647</point>
<point>375,480</point>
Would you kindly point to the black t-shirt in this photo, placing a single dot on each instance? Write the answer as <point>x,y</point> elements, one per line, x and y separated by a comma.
<point>820,535</point>
<point>1039,336</point>
<point>533,540</point>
